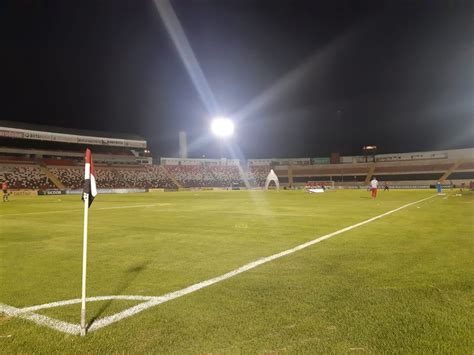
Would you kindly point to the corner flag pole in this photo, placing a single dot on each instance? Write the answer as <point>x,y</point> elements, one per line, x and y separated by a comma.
<point>90,191</point>
<point>84,265</point>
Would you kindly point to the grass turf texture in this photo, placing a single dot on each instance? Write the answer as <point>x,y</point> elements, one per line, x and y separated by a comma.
<point>399,284</point>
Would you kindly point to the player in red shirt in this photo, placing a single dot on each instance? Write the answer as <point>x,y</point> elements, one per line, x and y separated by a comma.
<point>5,191</point>
<point>374,184</point>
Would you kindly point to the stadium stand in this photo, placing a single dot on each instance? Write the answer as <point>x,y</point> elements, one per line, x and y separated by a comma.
<point>31,173</point>
<point>72,177</point>
<point>259,174</point>
<point>115,177</point>
<point>53,159</point>
<point>206,176</point>
<point>26,177</point>
<point>28,173</point>
<point>226,176</point>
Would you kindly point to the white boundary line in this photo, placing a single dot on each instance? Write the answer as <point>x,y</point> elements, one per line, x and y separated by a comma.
<point>52,323</point>
<point>80,209</point>
<point>89,299</point>
<point>152,301</point>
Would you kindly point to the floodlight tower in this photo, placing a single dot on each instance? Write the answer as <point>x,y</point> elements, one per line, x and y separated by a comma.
<point>369,150</point>
<point>223,128</point>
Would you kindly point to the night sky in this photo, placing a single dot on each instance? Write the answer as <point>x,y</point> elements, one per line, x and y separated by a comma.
<point>327,76</point>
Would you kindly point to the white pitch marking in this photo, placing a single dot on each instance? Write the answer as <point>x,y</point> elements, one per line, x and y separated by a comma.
<point>156,300</point>
<point>62,326</point>
<point>120,207</point>
<point>74,329</point>
<point>80,209</point>
<point>89,299</point>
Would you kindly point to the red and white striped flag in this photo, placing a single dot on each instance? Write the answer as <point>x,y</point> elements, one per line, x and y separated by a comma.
<point>90,187</point>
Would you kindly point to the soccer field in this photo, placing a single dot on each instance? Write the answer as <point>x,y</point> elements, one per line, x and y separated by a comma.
<point>401,283</point>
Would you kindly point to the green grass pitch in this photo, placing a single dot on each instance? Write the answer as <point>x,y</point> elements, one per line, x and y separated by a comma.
<point>400,284</point>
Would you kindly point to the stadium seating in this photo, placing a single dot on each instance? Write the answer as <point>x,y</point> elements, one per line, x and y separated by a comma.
<point>144,177</point>
<point>259,174</point>
<point>206,176</point>
<point>27,177</point>
<point>159,179</point>
<point>30,173</point>
<point>225,176</point>
<point>71,177</point>
<point>114,177</point>
<point>191,175</point>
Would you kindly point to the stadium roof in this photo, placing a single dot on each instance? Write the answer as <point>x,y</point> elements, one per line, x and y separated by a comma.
<point>79,132</point>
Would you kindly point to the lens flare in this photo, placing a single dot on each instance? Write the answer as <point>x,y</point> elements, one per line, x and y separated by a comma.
<point>222,127</point>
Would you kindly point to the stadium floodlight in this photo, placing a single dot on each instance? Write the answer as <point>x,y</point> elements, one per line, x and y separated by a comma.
<point>222,127</point>
<point>369,148</point>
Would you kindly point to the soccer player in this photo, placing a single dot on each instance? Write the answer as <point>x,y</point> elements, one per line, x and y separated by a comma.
<point>5,191</point>
<point>385,186</point>
<point>373,187</point>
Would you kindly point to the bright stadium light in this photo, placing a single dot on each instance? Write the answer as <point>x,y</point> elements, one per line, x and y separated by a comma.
<point>222,127</point>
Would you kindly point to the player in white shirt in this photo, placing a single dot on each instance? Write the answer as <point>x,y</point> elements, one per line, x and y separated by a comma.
<point>374,184</point>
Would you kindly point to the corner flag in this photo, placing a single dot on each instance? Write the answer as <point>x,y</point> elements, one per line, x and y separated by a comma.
<point>89,180</point>
<point>90,191</point>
